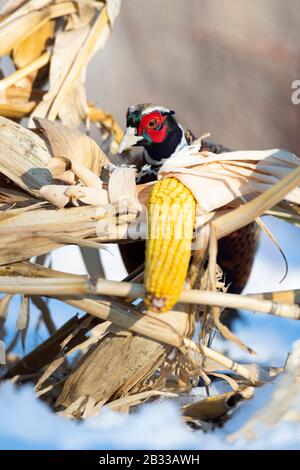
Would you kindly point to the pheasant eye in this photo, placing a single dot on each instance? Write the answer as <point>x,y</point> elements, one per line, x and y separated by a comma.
<point>153,123</point>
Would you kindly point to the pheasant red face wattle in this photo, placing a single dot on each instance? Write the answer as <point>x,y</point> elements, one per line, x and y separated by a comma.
<point>153,126</point>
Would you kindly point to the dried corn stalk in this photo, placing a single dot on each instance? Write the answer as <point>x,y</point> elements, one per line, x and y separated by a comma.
<point>53,41</point>
<point>45,171</point>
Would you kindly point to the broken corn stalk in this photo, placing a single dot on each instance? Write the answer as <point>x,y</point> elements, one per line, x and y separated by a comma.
<point>171,217</point>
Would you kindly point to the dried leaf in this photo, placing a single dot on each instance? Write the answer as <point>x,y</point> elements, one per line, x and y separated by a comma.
<point>72,144</point>
<point>11,213</point>
<point>52,367</point>
<point>44,353</point>
<point>91,196</point>
<point>14,94</point>
<point>56,194</point>
<point>7,8</point>
<point>241,216</point>
<point>16,111</point>
<point>88,44</point>
<point>224,330</point>
<point>14,8</point>
<point>230,175</point>
<point>66,46</point>
<point>4,304</point>
<point>96,38</point>
<point>33,46</point>
<point>19,28</point>
<point>84,15</point>
<point>270,235</point>
<point>122,187</point>
<point>23,78</point>
<point>14,196</point>
<point>29,234</point>
<point>86,176</point>
<point>58,166</point>
<point>23,319</point>
<point>92,262</point>
<point>74,108</point>
<point>137,399</point>
<point>40,303</point>
<point>60,169</point>
<point>23,157</point>
<point>113,9</point>
<point>2,352</point>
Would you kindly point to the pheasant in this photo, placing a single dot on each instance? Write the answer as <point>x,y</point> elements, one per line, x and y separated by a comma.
<point>157,131</point>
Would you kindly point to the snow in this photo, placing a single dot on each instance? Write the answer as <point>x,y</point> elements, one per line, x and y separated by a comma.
<point>27,423</point>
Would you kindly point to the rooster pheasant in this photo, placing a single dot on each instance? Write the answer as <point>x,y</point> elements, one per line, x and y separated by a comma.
<point>157,131</point>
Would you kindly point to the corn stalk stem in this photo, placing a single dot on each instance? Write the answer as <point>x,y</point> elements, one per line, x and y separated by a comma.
<point>289,297</point>
<point>124,316</point>
<point>83,286</point>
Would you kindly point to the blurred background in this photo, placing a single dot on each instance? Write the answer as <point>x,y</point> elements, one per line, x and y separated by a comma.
<point>225,66</point>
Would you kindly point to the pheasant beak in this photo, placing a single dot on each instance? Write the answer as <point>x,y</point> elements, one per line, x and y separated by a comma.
<point>129,139</point>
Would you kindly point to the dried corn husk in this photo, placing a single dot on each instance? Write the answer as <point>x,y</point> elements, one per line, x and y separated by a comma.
<point>15,8</point>
<point>25,25</point>
<point>73,145</point>
<point>33,46</point>
<point>70,41</point>
<point>121,188</point>
<point>2,353</point>
<point>215,407</point>
<point>26,29</point>
<point>22,79</point>
<point>32,233</point>
<point>16,111</point>
<point>67,69</point>
<point>23,157</point>
<point>60,196</point>
<point>23,318</point>
<point>216,180</point>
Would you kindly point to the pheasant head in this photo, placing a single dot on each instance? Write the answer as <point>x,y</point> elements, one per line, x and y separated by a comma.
<point>154,128</point>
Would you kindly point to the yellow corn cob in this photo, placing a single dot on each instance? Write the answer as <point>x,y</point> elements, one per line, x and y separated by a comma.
<point>171,216</point>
